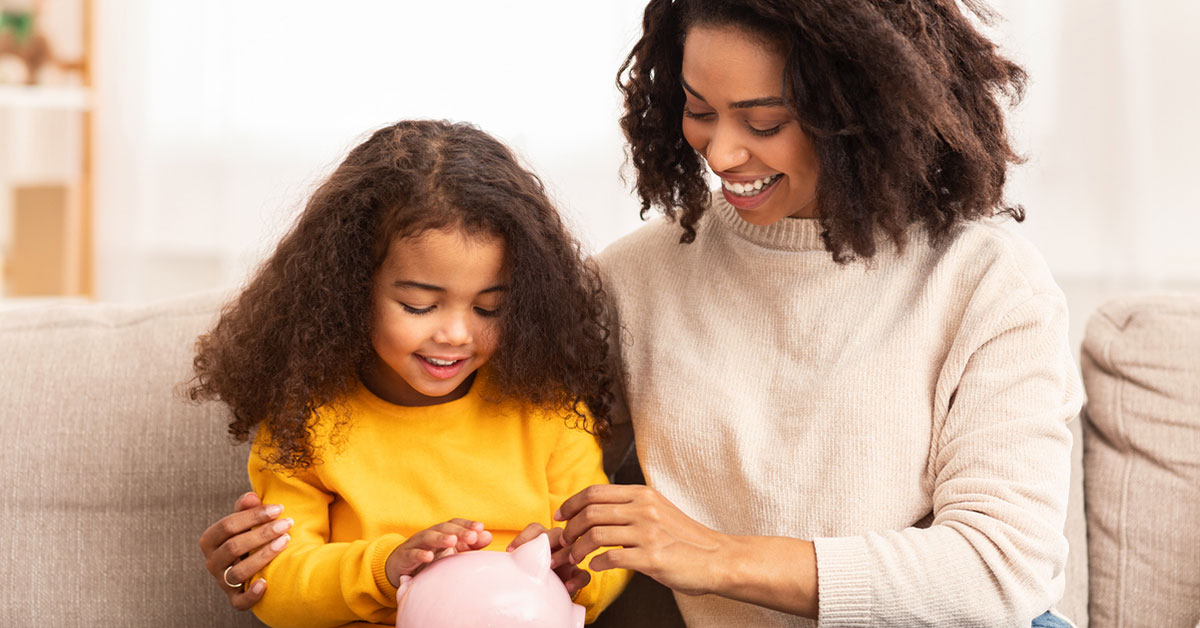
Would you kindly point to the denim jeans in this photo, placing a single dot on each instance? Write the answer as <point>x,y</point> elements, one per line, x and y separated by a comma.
<point>1049,620</point>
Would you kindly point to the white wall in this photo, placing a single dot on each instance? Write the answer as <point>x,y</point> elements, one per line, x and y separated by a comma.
<point>215,119</point>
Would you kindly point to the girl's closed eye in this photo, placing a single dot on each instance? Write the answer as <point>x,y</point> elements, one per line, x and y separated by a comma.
<point>415,310</point>
<point>764,130</point>
<point>696,115</point>
<point>488,312</point>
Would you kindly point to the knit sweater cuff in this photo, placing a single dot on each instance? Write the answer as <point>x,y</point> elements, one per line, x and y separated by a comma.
<point>843,582</point>
<point>379,555</point>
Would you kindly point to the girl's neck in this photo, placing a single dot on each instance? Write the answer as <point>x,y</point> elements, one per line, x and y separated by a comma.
<point>388,386</point>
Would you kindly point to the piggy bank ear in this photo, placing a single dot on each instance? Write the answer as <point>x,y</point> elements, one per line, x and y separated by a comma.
<point>534,557</point>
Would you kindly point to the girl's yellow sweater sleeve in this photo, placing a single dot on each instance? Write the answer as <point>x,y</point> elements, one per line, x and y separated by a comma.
<point>313,582</point>
<point>575,465</point>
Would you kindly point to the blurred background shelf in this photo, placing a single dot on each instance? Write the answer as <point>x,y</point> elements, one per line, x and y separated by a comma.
<point>46,147</point>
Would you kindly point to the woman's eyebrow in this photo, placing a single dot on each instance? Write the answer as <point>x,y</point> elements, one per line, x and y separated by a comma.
<point>768,101</point>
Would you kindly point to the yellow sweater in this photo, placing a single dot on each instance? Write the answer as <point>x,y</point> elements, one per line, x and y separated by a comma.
<point>392,471</point>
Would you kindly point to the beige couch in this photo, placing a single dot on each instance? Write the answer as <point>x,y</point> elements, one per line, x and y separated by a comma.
<point>108,478</point>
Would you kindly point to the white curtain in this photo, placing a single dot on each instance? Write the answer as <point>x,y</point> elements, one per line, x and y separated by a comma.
<point>215,119</point>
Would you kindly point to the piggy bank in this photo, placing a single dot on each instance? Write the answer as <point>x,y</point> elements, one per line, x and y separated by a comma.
<point>488,589</point>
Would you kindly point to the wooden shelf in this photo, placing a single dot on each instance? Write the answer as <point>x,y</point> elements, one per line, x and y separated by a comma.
<point>44,97</point>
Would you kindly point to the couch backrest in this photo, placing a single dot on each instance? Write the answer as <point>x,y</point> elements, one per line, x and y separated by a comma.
<point>108,478</point>
<point>1141,369</point>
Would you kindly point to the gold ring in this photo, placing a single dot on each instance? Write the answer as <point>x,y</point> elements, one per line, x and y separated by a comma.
<point>232,585</point>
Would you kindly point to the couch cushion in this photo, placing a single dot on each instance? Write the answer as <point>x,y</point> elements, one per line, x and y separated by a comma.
<point>108,477</point>
<point>1141,368</point>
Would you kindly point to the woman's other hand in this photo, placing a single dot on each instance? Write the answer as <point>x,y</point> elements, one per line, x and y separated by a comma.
<point>443,539</point>
<point>569,572</point>
<point>241,544</point>
<point>653,536</point>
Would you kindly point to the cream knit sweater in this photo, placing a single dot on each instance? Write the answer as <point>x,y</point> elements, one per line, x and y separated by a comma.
<point>908,414</point>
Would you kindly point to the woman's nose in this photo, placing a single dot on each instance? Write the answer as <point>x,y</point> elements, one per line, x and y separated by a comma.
<point>726,149</point>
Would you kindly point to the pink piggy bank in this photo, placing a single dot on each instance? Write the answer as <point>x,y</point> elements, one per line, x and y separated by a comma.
<point>489,589</point>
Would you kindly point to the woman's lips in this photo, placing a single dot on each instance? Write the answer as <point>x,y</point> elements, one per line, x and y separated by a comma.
<point>750,202</point>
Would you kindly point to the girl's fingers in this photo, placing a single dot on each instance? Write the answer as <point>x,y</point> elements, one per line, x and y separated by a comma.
<point>431,539</point>
<point>528,534</point>
<point>484,540</point>
<point>468,524</point>
<point>408,560</point>
<point>467,537</point>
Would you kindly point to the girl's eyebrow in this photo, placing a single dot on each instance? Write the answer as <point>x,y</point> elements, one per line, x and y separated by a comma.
<point>768,101</point>
<point>403,283</point>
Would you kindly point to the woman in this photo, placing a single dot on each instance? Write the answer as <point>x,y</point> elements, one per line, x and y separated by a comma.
<point>848,381</point>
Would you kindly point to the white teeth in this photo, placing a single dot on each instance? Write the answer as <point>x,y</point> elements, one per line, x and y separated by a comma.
<point>437,362</point>
<point>749,188</point>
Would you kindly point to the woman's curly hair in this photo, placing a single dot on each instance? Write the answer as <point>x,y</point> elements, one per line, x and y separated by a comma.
<point>901,100</point>
<point>297,337</point>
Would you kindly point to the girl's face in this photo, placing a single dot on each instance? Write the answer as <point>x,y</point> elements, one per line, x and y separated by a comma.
<point>736,118</point>
<point>434,315</point>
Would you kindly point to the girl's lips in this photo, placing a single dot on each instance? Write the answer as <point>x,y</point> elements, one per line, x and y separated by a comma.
<point>442,372</point>
<point>750,202</point>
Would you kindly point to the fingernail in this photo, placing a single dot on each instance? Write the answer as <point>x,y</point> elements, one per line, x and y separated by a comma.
<point>280,542</point>
<point>282,525</point>
<point>273,510</point>
<point>558,515</point>
<point>258,586</point>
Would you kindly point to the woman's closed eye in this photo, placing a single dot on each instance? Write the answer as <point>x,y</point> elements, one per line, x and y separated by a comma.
<point>415,310</point>
<point>697,115</point>
<point>487,313</point>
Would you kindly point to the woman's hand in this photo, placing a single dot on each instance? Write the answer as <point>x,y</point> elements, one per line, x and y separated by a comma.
<point>443,539</point>
<point>653,535</point>
<point>229,548</point>
<point>571,575</point>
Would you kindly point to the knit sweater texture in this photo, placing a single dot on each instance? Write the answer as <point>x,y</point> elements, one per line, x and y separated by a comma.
<point>908,414</point>
<point>391,471</point>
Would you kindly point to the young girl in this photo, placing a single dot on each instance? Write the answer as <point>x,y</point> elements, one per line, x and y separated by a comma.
<point>419,357</point>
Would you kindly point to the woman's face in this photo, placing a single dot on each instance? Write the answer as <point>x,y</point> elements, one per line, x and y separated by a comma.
<point>735,117</point>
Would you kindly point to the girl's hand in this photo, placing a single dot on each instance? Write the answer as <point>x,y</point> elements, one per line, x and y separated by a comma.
<point>443,539</point>
<point>655,537</point>
<point>571,575</point>
<point>227,542</point>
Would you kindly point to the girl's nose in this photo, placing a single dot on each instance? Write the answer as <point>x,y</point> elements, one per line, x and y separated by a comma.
<point>726,149</point>
<point>453,331</point>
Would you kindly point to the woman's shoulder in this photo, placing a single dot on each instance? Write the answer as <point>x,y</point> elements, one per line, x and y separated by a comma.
<point>653,240</point>
<point>994,251</point>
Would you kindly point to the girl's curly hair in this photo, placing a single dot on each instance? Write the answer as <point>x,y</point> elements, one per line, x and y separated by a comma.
<point>901,100</point>
<point>297,337</point>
